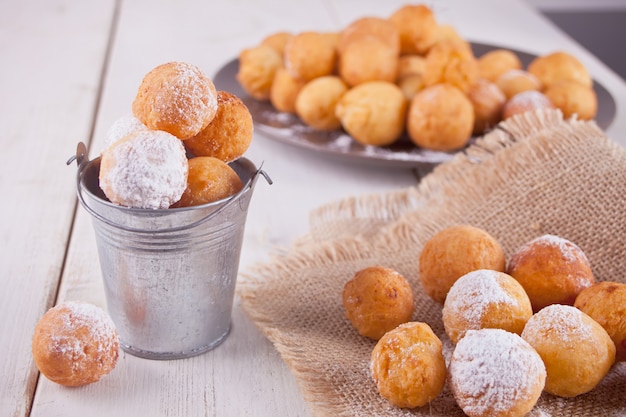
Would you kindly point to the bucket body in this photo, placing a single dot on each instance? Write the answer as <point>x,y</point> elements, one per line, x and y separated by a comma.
<point>169,275</point>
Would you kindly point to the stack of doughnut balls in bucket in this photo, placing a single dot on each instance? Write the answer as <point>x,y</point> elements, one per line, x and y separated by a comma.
<point>538,323</point>
<point>172,152</point>
<point>382,79</point>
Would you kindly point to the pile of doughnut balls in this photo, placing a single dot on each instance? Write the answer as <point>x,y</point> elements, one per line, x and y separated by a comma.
<point>378,78</point>
<point>537,323</point>
<point>174,149</point>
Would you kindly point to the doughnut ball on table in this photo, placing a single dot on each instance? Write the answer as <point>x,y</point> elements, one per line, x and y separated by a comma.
<point>75,344</point>
<point>485,299</point>
<point>524,102</point>
<point>285,90</point>
<point>575,349</point>
<point>209,179</point>
<point>495,373</point>
<point>146,169</point>
<point>122,127</point>
<point>408,366</point>
<point>494,63</point>
<point>176,97</point>
<point>452,63</point>
<point>559,66</point>
<point>440,117</point>
<point>317,101</point>
<point>605,302</point>
<point>277,41</point>
<point>228,135</point>
<point>573,98</point>
<point>376,300</point>
<point>488,102</point>
<point>417,26</point>
<point>373,113</point>
<point>257,67</point>
<point>515,81</point>
<point>452,253</point>
<point>552,270</point>
<point>376,27</point>
<point>368,59</point>
<point>310,55</point>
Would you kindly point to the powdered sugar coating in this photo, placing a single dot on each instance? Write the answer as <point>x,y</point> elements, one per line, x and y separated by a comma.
<point>122,127</point>
<point>147,169</point>
<point>495,373</point>
<point>562,322</point>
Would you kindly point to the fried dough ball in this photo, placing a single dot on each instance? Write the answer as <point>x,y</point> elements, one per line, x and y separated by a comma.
<point>573,98</point>
<point>494,373</point>
<point>485,298</point>
<point>515,81</point>
<point>75,344</point>
<point>450,62</point>
<point>309,55</point>
<point>317,101</point>
<point>552,270</point>
<point>210,179</point>
<point>494,63</point>
<point>488,102</point>
<point>575,349</point>
<point>257,67</point>
<point>452,253</point>
<point>417,26</point>
<point>368,59</point>
<point>408,366</point>
<point>146,169</point>
<point>559,66</point>
<point>411,65</point>
<point>376,300</point>
<point>176,97</point>
<point>526,101</point>
<point>440,118</point>
<point>605,302</point>
<point>373,113</point>
<point>228,135</point>
<point>285,90</point>
<point>411,85</point>
<point>376,27</point>
<point>277,41</point>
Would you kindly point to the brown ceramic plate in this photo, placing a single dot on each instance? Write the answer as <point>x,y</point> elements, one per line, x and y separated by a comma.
<point>288,128</point>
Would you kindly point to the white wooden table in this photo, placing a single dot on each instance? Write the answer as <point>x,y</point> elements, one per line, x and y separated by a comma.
<point>69,69</point>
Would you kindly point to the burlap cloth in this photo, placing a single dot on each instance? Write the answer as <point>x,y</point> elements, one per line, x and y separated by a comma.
<point>534,174</point>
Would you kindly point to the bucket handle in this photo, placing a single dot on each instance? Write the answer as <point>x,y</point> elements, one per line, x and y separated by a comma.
<point>81,161</point>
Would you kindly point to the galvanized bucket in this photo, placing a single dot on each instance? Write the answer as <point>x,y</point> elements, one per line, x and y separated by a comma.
<point>169,275</point>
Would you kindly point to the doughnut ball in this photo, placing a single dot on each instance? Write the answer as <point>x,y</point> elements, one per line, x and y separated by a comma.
<point>559,66</point>
<point>573,98</point>
<point>365,27</point>
<point>317,100</point>
<point>488,102</point>
<point>277,41</point>
<point>122,127</point>
<point>441,118</point>
<point>411,65</point>
<point>575,349</point>
<point>257,67</point>
<point>176,97</point>
<point>408,366</point>
<point>373,113</point>
<point>310,55</point>
<point>453,63</point>
<point>146,169</point>
<point>209,179</point>
<point>515,81</point>
<point>494,63</point>
<point>377,300</point>
<point>368,59</point>
<point>284,91</point>
<point>524,102</point>
<point>552,270</point>
<point>605,302</point>
<point>75,344</point>
<point>495,373</point>
<point>229,134</point>
<point>452,253</point>
<point>417,26</point>
<point>485,299</point>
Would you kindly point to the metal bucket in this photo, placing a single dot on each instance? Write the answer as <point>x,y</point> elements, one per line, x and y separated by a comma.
<point>169,275</point>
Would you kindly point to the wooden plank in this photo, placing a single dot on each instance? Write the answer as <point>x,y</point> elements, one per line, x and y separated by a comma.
<point>52,54</point>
